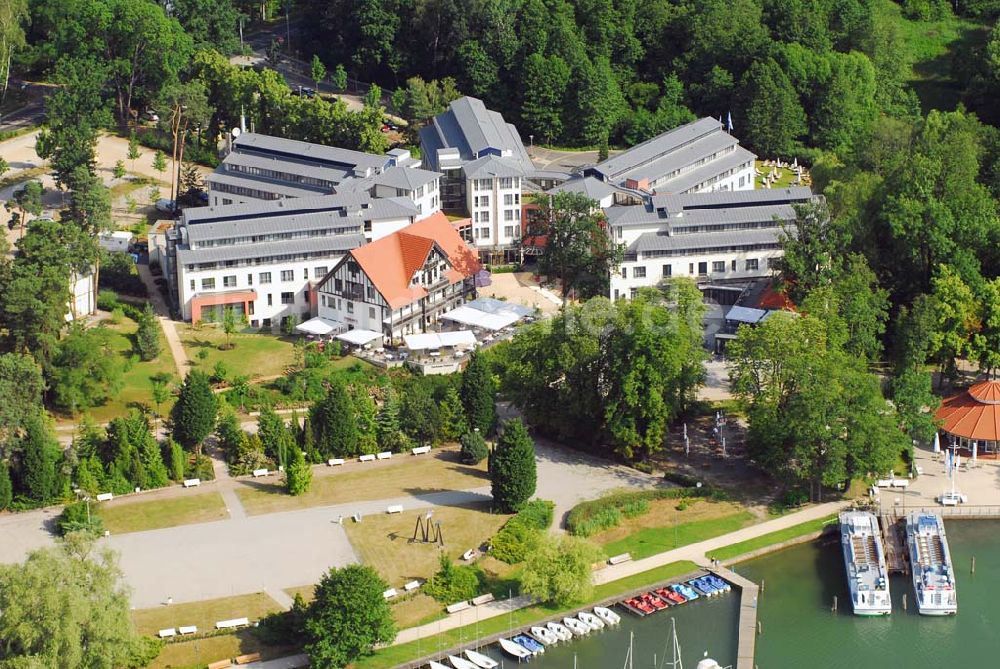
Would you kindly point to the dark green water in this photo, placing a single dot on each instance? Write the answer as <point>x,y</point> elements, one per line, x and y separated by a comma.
<point>800,631</point>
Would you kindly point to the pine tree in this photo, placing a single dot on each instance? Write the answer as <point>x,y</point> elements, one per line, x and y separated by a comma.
<point>452,415</point>
<point>513,471</point>
<point>387,427</point>
<point>334,425</point>
<point>178,460</point>
<point>298,474</point>
<point>194,413</point>
<point>477,394</point>
<point>6,489</point>
<point>474,448</point>
<point>147,337</point>
<point>39,464</point>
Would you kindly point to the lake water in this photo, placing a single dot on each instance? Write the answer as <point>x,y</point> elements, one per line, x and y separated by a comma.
<point>799,629</point>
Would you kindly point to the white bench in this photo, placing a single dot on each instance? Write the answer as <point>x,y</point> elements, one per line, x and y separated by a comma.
<point>169,632</point>
<point>367,458</point>
<point>390,593</point>
<point>188,629</point>
<point>229,624</point>
<point>420,450</point>
<point>456,607</point>
<point>618,559</point>
<point>470,554</point>
<point>483,599</point>
<point>356,517</point>
<point>105,497</point>
<point>259,472</point>
<point>192,483</point>
<point>395,508</point>
<point>412,585</point>
<point>333,462</point>
<point>384,455</point>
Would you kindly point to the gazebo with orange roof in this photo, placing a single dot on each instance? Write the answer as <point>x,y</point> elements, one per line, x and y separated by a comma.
<point>973,417</point>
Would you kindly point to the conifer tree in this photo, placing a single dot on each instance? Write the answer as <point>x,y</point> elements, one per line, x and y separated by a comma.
<point>513,471</point>
<point>477,394</point>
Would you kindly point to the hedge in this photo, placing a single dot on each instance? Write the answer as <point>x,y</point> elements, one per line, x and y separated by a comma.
<point>519,534</point>
<point>589,518</point>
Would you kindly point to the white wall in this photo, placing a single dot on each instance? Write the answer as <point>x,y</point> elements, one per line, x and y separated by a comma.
<point>83,294</point>
<point>682,266</point>
<point>495,210</point>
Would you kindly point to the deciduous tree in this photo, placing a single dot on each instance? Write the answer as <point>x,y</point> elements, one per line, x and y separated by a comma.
<point>558,570</point>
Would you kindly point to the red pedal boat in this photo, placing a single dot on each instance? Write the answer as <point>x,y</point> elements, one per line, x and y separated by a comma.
<point>669,595</point>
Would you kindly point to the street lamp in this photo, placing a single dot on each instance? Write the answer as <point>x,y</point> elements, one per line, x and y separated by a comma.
<point>531,144</point>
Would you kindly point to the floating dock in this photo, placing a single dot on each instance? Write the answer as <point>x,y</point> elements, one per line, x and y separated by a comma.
<point>894,541</point>
<point>747,627</point>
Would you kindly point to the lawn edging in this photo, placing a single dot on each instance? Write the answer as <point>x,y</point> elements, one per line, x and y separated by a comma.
<point>774,541</point>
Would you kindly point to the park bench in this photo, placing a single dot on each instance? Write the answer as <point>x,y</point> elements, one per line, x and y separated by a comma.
<point>259,472</point>
<point>221,664</point>
<point>192,483</point>
<point>230,624</point>
<point>483,599</point>
<point>456,607</point>
<point>384,455</point>
<point>420,450</point>
<point>618,559</point>
<point>105,497</point>
<point>333,462</point>
<point>167,633</point>
<point>248,658</point>
<point>395,508</point>
<point>188,629</point>
<point>367,458</point>
<point>390,593</point>
<point>412,585</point>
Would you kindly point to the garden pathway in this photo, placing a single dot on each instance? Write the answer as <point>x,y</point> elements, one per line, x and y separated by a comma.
<point>167,325</point>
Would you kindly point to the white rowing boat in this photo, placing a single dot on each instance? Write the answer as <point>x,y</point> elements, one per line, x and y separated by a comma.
<point>607,615</point>
<point>543,635</point>
<point>575,626</point>
<point>436,665</point>
<point>513,649</point>
<point>589,619</point>
<point>561,631</point>
<point>480,660</point>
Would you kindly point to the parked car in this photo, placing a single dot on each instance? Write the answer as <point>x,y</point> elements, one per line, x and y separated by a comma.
<point>166,206</point>
<point>151,115</point>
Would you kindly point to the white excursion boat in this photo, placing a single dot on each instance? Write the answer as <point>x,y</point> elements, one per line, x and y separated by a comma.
<point>607,615</point>
<point>513,649</point>
<point>575,626</point>
<point>461,663</point>
<point>864,563</point>
<point>930,562</point>
<point>561,631</point>
<point>590,620</point>
<point>543,635</point>
<point>480,660</point>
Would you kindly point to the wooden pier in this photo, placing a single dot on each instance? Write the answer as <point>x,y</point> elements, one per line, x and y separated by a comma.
<point>748,616</point>
<point>895,544</point>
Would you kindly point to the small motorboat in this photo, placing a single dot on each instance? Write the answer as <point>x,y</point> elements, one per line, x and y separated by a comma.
<point>607,615</point>
<point>561,631</point>
<point>671,596</point>
<point>515,650</point>
<point>590,620</point>
<point>575,626</point>
<point>701,587</point>
<point>461,663</point>
<point>687,591</point>
<point>543,635</point>
<point>529,644</point>
<point>480,660</point>
<point>436,665</point>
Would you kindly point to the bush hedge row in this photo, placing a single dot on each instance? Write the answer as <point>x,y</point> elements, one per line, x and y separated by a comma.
<point>519,534</point>
<point>589,518</point>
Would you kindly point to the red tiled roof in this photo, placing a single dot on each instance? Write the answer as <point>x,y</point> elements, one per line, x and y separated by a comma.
<point>974,414</point>
<point>771,298</point>
<point>392,261</point>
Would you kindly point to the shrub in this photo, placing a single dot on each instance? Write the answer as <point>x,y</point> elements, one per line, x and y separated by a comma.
<point>685,480</point>
<point>107,300</point>
<point>682,505</point>
<point>453,583</point>
<point>588,518</point>
<point>537,514</point>
<point>518,537</point>
<point>474,448</point>
<point>77,517</point>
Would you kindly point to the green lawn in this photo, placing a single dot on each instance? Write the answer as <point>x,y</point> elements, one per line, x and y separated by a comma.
<point>254,355</point>
<point>652,540</point>
<point>930,46</point>
<point>744,547</point>
<point>395,655</point>
<point>136,386</point>
<point>156,514</point>
<point>204,614</point>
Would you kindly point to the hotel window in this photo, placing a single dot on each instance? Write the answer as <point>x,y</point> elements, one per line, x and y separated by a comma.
<point>350,307</point>
<point>371,312</point>
<point>287,275</point>
<point>322,300</point>
<point>752,265</point>
<point>270,299</point>
<point>249,279</point>
<point>508,214</point>
<point>773,263</point>
<point>633,293</point>
<point>288,298</point>
<point>690,268</point>
<point>508,230</point>
<point>639,272</point>
<point>733,266</point>
<point>484,233</point>
<point>207,284</point>
<point>718,265</point>
<point>192,284</point>
<point>338,285</point>
<point>265,277</point>
<point>370,292</point>
<point>229,281</point>
<point>319,272</point>
<point>624,272</point>
<point>668,270</point>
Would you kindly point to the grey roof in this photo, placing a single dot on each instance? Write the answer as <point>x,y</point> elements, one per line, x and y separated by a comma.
<point>762,214</point>
<point>745,314</point>
<point>374,208</point>
<point>264,184</point>
<point>331,243</point>
<point>492,166</point>
<point>273,225</point>
<point>693,177</point>
<point>651,149</point>
<point>731,198</point>
<point>291,148</point>
<point>593,188</point>
<point>470,127</point>
<point>407,178</point>
<point>719,207</point>
<point>653,241</point>
<point>289,166</point>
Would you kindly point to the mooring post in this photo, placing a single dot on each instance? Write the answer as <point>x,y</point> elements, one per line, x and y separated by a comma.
<point>760,627</point>
<point>834,607</point>
<point>973,564</point>
<point>904,601</point>
<point>762,585</point>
